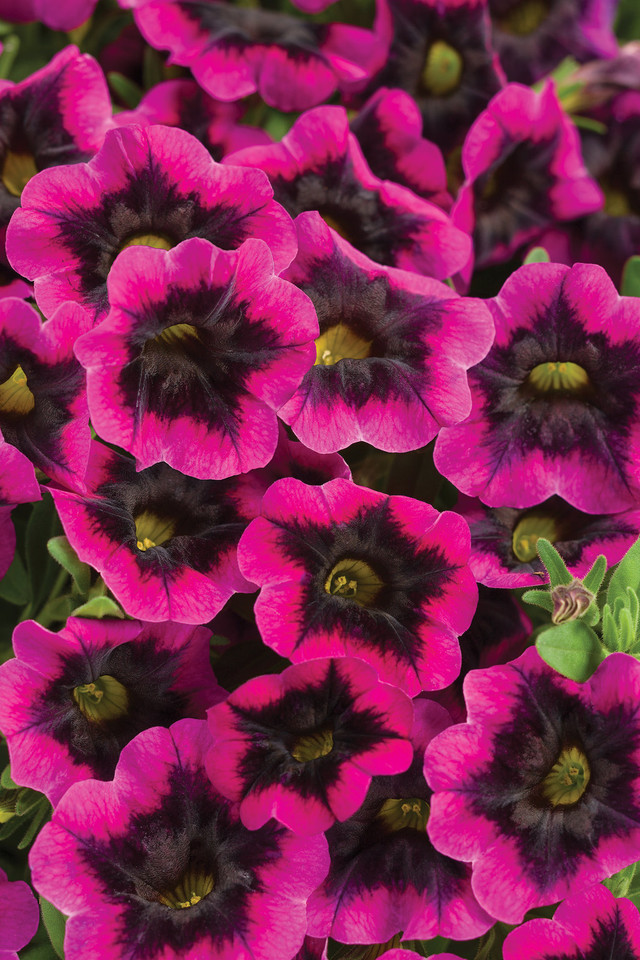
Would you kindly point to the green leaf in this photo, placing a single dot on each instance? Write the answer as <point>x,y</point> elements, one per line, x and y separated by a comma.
<point>626,632</point>
<point>55,923</point>
<point>42,572</point>
<point>536,255</point>
<point>128,91</point>
<point>98,608</point>
<point>625,574</point>
<point>10,49</point>
<point>609,630</point>
<point>5,779</point>
<point>539,598</point>
<point>593,580</point>
<point>620,883</point>
<point>588,123</point>
<point>571,648</point>
<point>630,286</point>
<point>592,615</point>
<point>15,586</point>
<point>62,551</point>
<point>555,565</point>
<point>38,951</point>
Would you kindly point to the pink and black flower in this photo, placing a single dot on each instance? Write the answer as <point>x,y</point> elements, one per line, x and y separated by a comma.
<point>504,540</point>
<point>539,790</point>
<point>386,877</point>
<point>319,166</point>
<point>200,348</point>
<point>151,186</point>
<point>392,354</point>
<point>302,746</point>
<point>157,864</point>
<point>587,926</point>
<point>347,571</point>
<point>523,171</point>
<point>555,409</point>
<point>234,51</point>
<point>70,701</point>
<point>165,544</point>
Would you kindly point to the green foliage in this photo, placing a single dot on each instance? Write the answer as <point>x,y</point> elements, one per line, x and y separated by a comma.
<point>536,255</point>
<point>55,923</point>
<point>62,551</point>
<point>98,608</point>
<point>625,576</point>
<point>571,648</point>
<point>15,587</point>
<point>630,286</point>
<point>556,567</point>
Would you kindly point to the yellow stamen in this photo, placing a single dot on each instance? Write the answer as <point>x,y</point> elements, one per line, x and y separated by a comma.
<point>340,343</point>
<point>528,531</point>
<point>442,70</point>
<point>405,812</point>
<point>354,579</point>
<point>103,699</point>
<point>568,778</point>
<point>156,240</point>
<point>151,530</point>
<point>17,170</point>
<point>525,17</point>
<point>15,396</point>
<point>193,888</point>
<point>176,334</point>
<point>559,376</point>
<point>313,746</point>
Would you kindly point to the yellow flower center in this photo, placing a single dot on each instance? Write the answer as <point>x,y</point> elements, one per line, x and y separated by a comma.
<point>528,531</point>
<point>616,202</point>
<point>405,812</point>
<point>568,778</point>
<point>176,334</point>
<point>354,579</point>
<point>559,377</point>
<point>157,240</point>
<point>17,170</point>
<point>313,746</point>
<point>103,699</point>
<point>194,887</point>
<point>15,396</point>
<point>525,17</point>
<point>340,343</point>
<point>152,530</point>
<point>442,70</point>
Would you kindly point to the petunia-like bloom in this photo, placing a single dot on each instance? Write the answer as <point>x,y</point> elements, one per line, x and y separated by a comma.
<point>57,115</point>
<point>348,571</point>
<point>319,166</point>
<point>302,746</point>
<point>200,348</point>
<point>70,701</point>
<point>61,15</point>
<point>440,53</point>
<point>19,916</point>
<point>540,789</point>
<point>504,540</point>
<point>532,38</point>
<point>151,186</point>
<point>157,864</point>
<point>235,51</point>
<point>523,171</point>
<point>182,103</point>
<point>43,400</point>
<point>164,544</point>
<point>587,926</point>
<point>392,354</point>
<point>386,877</point>
<point>554,400</point>
<point>389,131</point>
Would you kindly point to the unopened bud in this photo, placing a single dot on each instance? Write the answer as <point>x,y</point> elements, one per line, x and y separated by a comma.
<point>570,601</point>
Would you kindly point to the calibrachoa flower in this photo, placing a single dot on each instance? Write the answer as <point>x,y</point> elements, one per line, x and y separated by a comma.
<point>386,877</point>
<point>165,544</point>
<point>348,571</point>
<point>70,701</point>
<point>235,51</point>
<point>392,354</point>
<point>540,789</point>
<point>200,348</point>
<point>533,38</point>
<point>43,399</point>
<point>319,166</point>
<point>554,401</point>
<point>504,540</point>
<point>303,745</point>
<point>523,171</point>
<point>152,186</point>
<point>156,864</point>
<point>19,916</point>
<point>587,926</point>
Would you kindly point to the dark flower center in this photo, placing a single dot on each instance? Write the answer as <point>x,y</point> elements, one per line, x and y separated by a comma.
<point>568,778</point>
<point>442,70</point>
<point>354,579</point>
<point>152,530</point>
<point>525,17</point>
<point>159,241</point>
<point>313,746</point>
<point>405,812</point>
<point>616,201</point>
<point>15,396</point>
<point>340,343</point>
<point>17,170</point>
<point>558,377</point>
<point>527,533</point>
<point>194,886</point>
<point>336,224</point>
<point>103,699</point>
